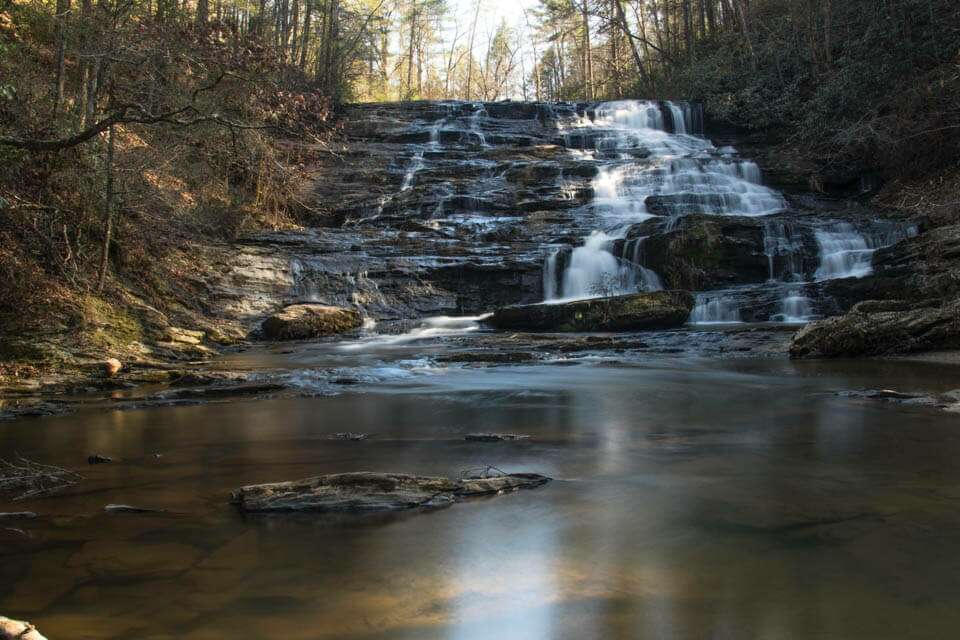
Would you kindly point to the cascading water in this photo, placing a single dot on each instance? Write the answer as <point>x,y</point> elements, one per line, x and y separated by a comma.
<point>656,168</point>
<point>594,271</point>
<point>781,242</point>
<point>794,308</point>
<point>416,162</point>
<point>479,111</point>
<point>843,253</point>
<point>633,251</point>
<point>715,308</point>
<point>846,252</point>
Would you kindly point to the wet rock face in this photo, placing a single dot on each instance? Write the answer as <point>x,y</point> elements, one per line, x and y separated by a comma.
<point>707,252</point>
<point>306,321</point>
<point>635,312</point>
<point>366,491</point>
<point>881,328</point>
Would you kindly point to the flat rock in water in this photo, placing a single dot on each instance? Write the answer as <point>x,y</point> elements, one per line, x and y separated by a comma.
<point>18,515</point>
<point>367,491</point>
<point>18,630</point>
<point>634,312</point>
<point>349,435</point>
<point>493,437</point>
<point>127,508</point>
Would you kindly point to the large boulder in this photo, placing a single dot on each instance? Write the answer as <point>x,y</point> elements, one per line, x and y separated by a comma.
<point>366,491</point>
<point>702,252</point>
<point>881,328</point>
<point>305,321</point>
<point>634,312</point>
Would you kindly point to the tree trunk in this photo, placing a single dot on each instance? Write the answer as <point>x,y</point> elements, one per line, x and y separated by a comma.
<point>742,9</point>
<point>107,215</point>
<point>473,33</point>
<point>63,10</point>
<point>203,11</point>
<point>305,36</point>
<point>413,26</point>
<point>587,53</point>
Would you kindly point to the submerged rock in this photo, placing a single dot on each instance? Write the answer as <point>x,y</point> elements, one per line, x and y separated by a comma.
<point>349,435</point>
<point>367,491</point>
<point>494,437</point>
<point>305,321</point>
<point>638,311</point>
<point>882,328</point>
<point>18,630</point>
<point>128,508</point>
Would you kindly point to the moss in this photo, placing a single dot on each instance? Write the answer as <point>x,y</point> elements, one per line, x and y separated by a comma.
<point>108,327</point>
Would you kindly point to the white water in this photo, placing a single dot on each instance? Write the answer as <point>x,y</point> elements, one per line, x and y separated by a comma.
<point>715,308</point>
<point>479,112</point>
<point>633,251</point>
<point>435,327</point>
<point>684,173</point>
<point>843,253</point>
<point>848,253</point>
<point>794,308</point>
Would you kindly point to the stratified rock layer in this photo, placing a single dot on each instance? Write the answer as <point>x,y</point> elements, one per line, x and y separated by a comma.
<point>635,312</point>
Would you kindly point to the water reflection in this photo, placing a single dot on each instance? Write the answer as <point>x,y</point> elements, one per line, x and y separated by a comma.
<point>734,499</point>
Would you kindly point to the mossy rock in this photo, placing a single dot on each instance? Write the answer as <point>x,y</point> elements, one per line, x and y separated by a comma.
<point>635,312</point>
<point>881,328</point>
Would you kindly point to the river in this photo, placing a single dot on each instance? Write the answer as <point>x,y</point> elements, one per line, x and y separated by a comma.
<point>692,498</point>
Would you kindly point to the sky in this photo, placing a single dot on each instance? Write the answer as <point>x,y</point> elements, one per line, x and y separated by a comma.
<point>491,13</point>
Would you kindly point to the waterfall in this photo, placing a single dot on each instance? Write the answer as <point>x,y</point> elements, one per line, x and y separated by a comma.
<point>651,171</point>
<point>848,253</point>
<point>633,251</point>
<point>781,241</point>
<point>794,308</point>
<point>715,308</point>
<point>843,253</point>
<point>594,271</point>
<point>679,117</point>
<point>550,277</point>
<point>479,111</point>
<point>416,161</point>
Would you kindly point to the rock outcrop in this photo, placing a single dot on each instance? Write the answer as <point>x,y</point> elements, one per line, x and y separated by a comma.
<point>306,321</point>
<point>706,252</point>
<point>882,328</point>
<point>366,491</point>
<point>634,312</point>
